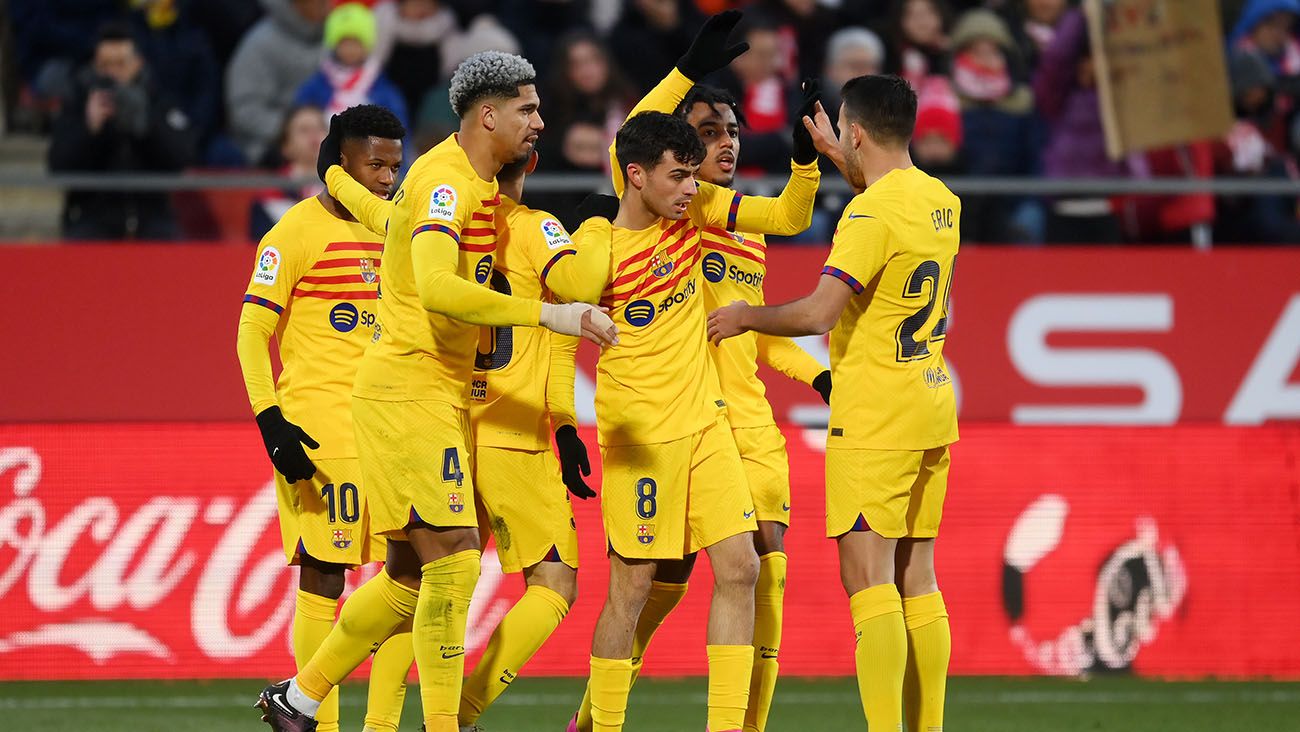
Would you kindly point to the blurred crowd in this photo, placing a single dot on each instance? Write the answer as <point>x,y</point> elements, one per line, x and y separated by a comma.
<point>1005,88</point>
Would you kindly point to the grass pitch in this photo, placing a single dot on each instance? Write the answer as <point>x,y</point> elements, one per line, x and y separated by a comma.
<point>544,705</point>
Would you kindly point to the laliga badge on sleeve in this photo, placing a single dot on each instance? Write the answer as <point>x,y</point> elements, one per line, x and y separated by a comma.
<point>268,266</point>
<point>555,235</point>
<point>442,203</point>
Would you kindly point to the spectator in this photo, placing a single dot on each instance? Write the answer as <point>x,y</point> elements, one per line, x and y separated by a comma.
<point>1038,28</point>
<point>918,39</point>
<point>585,97</point>
<point>540,25</point>
<point>53,37</point>
<point>298,145</point>
<point>117,122</point>
<point>181,62</point>
<point>1265,27</point>
<point>850,53</point>
<point>1065,89</point>
<point>804,27</point>
<point>349,74</point>
<point>762,92</point>
<point>650,37</point>
<point>937,136</point>
<point>1247,152</point>
<point>408,43</point>
<point>1000,125</point>
<point>272,61</point>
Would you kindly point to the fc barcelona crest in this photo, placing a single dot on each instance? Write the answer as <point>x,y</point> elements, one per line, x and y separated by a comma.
<point>342,538</point>
<point>455,502</point>
<point>659,267</point>
<point>368,271</point>
<point>645,533</point>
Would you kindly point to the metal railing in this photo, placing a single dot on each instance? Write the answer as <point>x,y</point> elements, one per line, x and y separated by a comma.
<point>588,182</point>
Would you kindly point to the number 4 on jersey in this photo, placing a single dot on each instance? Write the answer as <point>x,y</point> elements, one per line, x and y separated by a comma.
<point>451,467</point>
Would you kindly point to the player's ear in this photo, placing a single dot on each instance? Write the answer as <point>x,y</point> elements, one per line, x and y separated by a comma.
<point>635,175</point>
<point>487,117</point>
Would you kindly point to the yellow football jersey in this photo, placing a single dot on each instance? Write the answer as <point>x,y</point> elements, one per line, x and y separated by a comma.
<point>319,274</point>
<point>509,391</point>
<point>421,355</point>
<point>895,245</point>
<point>660,383</point>
<point>734,267</point>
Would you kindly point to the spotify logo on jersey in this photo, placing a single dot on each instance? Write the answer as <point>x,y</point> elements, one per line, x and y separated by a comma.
<point>714,266</point>
<point>344,317</point>
<point>639,312</point>
<point>483,269</point>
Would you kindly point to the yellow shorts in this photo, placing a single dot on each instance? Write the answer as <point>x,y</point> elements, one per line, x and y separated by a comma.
<point>767,470</point>
<point>417,461</point>
<point>670,499</point>
<point>895,493</point>
<point>522,500</point>
<point>326,517</point>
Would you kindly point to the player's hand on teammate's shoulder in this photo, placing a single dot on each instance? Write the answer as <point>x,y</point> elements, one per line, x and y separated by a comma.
<point>330,151</point>
<point>597,205</point>
<point>709,51</point>
<point>822,384</point>
<point>580,319</point>
<point>284,441</point>
<point>573,462</point>
<point>728,321</point>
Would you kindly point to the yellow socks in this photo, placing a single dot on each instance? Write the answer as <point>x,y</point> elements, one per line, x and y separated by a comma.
<point>769,598</point>
<point>881,655</point>
<point>610,683</point>
<point>446,587</point>
<point>664,597</point>
<point>313,618</point>
<point>388,672</point>
<point>373,612</point>
<point>517,637</point>
<point>729,671</point>
<point>929,642</point>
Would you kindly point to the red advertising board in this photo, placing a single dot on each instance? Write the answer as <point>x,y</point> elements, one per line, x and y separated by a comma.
<point>151,551</point>
<point>1039,336</point>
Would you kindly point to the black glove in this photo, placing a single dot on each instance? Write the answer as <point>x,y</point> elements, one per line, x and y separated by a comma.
<point>330,151</point>
<point>823,385</point>
<point>595,205</point>
<point>709,51</point>
<point>284,441</point>
<point>573,462</point>
<point>804,150</point>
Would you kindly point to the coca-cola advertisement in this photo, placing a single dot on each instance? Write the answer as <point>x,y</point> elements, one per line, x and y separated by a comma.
<point>150,550</point>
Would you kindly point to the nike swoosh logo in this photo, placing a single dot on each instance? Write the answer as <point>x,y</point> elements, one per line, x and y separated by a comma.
<point>860,216</point>
<point>785,507</point>
<point>748,514</point>
<point>769,655</point>
<point>452,655</point>
<point>281,702</point>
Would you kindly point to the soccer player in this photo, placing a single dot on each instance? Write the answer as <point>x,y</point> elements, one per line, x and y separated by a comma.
<point>883,296</point>
<point>313,288</point>
<point>410,407</point>
<point>673,479</point>
<point>734,267</point>
<point>520,375</point>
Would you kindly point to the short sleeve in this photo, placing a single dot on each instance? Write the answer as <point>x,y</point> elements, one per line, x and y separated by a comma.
<point>282,260</point>
<point>859,250</point>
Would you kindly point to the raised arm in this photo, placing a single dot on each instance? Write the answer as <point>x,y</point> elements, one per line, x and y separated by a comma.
<point>709,52</point>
